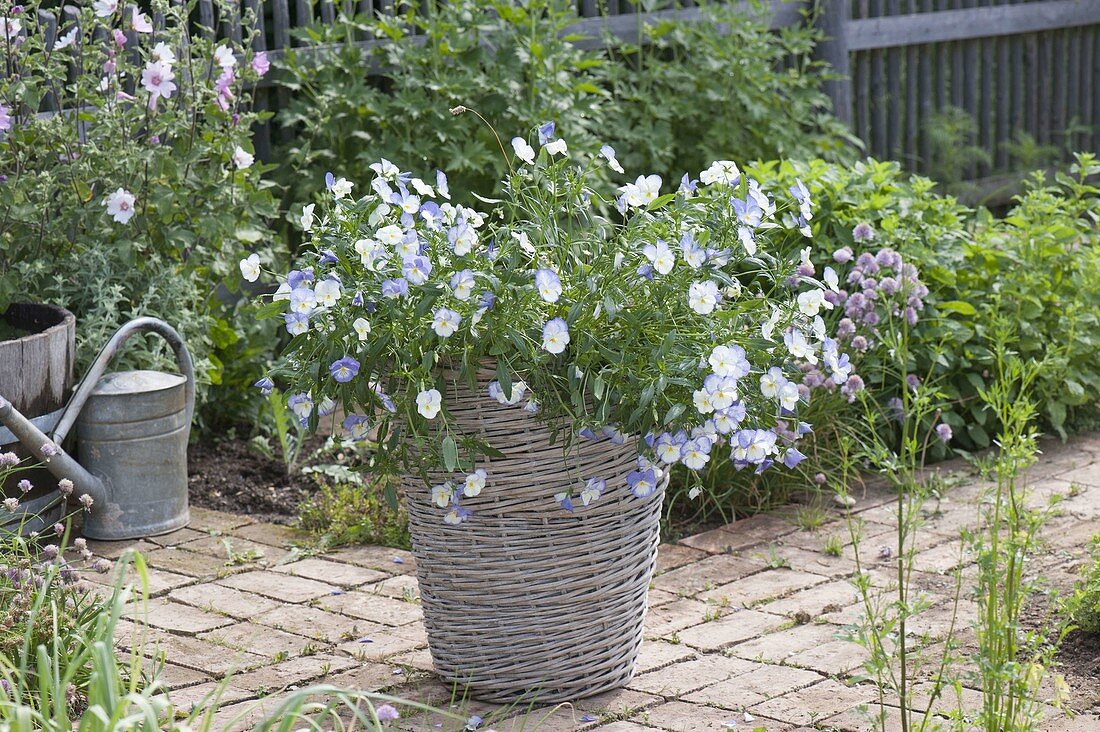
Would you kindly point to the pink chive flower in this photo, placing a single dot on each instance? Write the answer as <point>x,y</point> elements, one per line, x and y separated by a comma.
<point>49,450</point>
<point>65,486</point>
<point>25,486</point>
<point>86,501</point>
<point>386,713</point>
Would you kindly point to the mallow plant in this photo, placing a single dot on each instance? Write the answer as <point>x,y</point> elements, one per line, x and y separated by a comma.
<point>128,184</point>
<point>657,312</point>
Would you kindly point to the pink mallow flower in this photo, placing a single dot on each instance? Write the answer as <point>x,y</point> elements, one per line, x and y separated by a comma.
<point>260,64</point>
<point>157,78</point>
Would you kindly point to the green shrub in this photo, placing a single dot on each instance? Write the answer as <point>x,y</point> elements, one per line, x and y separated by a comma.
<point>140,196</point>
<point>348,513</point>
<point>1082,607</point>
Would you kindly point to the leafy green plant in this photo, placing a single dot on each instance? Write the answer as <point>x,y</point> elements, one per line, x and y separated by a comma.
<point>1081,608</point>
<point>287,430</point>
<point>140,195</point>
<point>346,513</point>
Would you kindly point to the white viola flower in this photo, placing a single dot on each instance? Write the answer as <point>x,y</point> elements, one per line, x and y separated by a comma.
<point>105,8</point>
<point>409,246</point>
<point>722,390</point>
<point>302,300</point>
<point>829,277</point>
<point>523,151</point>
<point>428,403</point>
<point>668,449</point>
<point>445,322</point>
<point>250,267</point>
<point>67,39</point>
<point>474,484</point>
<point>361,326</point>
<point>811,302</point>
<point>327,293</point>
<point>548,284</point>
<point>748,239</point>
<point>557,147</point>
<point>157,79</point>
<point>729,361</point>
<point>163,53</point>
<point>701,399</point>
<point>765,204</point>
<point>788,396</point>
<point>422,188</point>
<point>456,516</point>
<point>608,153</point>
<point>519,389</point>
<point>120,205</point>
<point>642,191</point>
<point>771,381</point>
<point>242,158</point>
<point>283,293</point>
<point>799,347</point>
<point>390,235</point>
<point>767,328</point>
<point>307,216</point>
<point>660,256</point>
<point>465,239</point>
<point>224,57</point>
<point>462,283</point>
<point>721,171</point>
<point>371,254</point>
<point>696,453</point>
<point>819,329</point>
<point>555,336</point>
<point>443,493</point>
<point>141,23</point>
<point>301,405</point>
<point>341,188</point>
<point>379,214</point>
<point>385,169</point>
<point>703,297</point>
<point>441,184</point>
<point>523,241</point>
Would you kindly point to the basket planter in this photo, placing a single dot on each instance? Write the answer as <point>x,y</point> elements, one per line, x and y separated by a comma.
<point>526,600</point>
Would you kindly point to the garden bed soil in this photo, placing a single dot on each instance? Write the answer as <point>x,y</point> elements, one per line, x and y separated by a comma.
<point>229,475</point>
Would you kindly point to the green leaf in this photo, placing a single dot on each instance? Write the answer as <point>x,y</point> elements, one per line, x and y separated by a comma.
<point>958,306</point>
<point>450,453</point>
<point>504,378</point>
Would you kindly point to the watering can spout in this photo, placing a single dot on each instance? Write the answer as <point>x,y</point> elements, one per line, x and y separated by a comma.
<point>58,462</point>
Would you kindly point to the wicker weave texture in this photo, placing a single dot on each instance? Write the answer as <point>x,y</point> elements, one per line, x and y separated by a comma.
<point>525,601</point>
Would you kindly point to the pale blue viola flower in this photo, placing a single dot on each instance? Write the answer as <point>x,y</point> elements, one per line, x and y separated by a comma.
<point>265,385</point>
<point>445,322</point>
<point>328,257</point>
<point>660,256</point>
<point>614,434</point>
<point>688,185</point>
<point>416,269</point>
<point>395,288</point>
<point>788,396</point>
<point>587,433</point>
<point>704,297</point>
<point>301,404</point>
<point>555,336</point>
<point>462,284</point>
<point>792,457</point>
<point>729,361</point>
<point>496,391</point>
<point>748,239</point>
<point>407,202</point>
<point>390,235</point>
<point>546,133</point>
<point>593,489</point>
<point>474,483</point>
<point>432,216</point>
<point>487,301</point>
<point>443,494</point>
<point>457,515</point>
<point>643,191</point>
<point>668,450</point>
<point>645,271</point>
<point>357,426</point>
<point>531,407</point>
<point>565,500</point>
<point>385,169</point>
<point>608,154</point>
<point>727,420</point>
<point>441,185</point>
<point>300,278</point>
<point>695,453</point>
<point>748,212</point>
<point>548,284</point>
<point>387,401</point>
<point>642,483</point>
<point>694,255</point>
<point>326,407</point>
<point>302,300</point>
<point>344,369</point>
<point>296,323</point>
<point>721,389</point>
<point>463,238</point>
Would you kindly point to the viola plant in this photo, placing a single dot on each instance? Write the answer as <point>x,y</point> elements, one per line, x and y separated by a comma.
<point>652,313</point>
<point>129,185</point>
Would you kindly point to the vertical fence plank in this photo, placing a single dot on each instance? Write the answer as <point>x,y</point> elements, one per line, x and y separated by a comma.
<point>1087,82</point>
<point>893,99</point>
<point>834,51</point>
<point>280,24</point>
<point>1073,104</point>
<point>914,72</point>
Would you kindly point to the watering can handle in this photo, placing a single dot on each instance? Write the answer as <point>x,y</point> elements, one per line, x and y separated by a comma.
<point>99,367</point>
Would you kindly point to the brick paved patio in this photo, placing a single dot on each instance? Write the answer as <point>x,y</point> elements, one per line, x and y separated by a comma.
<point>744,627</point>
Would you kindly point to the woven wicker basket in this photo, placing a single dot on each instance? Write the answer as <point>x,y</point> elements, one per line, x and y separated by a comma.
<point>525,600</point>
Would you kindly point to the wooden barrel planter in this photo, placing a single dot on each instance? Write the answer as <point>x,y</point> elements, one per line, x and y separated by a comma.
<point>37,361</point>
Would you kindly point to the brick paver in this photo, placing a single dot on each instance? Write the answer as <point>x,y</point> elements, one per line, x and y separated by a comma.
<point>746,627</point>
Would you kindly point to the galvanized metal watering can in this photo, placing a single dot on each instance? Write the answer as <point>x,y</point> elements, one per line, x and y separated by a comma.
<point>132,430</point>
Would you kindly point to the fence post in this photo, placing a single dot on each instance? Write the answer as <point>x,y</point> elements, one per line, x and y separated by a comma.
<point>832,19</point>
